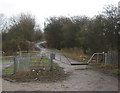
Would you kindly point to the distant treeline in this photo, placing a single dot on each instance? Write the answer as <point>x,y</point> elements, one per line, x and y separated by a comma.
<point>20,34</point>
<point>96,34</point>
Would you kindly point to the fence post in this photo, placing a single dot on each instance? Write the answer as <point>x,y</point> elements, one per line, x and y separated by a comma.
<point>97,58</point>
<point>15,65</point>
<point>51,61</point>
<point>28,61</point>
<point>105,58</point>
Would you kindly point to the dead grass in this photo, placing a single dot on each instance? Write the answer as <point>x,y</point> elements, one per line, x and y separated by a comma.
<point>75,53</point>
<point>108,66</point>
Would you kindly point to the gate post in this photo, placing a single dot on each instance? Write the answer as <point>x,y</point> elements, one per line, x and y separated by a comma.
<point>15,65</point>
<point>51,61</point>
<point>97,58</point>
<point>105,58</point>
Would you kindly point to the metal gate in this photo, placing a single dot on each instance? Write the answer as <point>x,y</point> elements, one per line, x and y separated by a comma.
<point>26,61</point>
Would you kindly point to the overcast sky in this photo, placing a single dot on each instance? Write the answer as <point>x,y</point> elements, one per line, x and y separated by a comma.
<point>42,9</point>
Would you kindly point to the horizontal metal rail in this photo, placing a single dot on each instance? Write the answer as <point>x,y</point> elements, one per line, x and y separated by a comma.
<point>7,57</point>
<point>40,65</point>
<point>40,61</point>
<point>82,63</point>
<point>93,56</point>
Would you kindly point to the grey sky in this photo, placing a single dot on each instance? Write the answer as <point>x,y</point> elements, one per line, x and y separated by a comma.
<point>42,9</point>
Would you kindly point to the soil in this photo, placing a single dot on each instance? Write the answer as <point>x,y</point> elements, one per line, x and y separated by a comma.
<point>38,75</point>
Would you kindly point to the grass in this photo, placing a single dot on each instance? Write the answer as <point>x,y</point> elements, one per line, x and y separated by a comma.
<point>115,71</point>
<point>0,61</point>
<point>110,68</point>
<point>59,51</point>
<point>75,54</point>
<point>8,58</point>
<point>8,70</point>
<point>40,61</point>
<point>33,64</point>
<point>107,68</point>
<point>41,75</point>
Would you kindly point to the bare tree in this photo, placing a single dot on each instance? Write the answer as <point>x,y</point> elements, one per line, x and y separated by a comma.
<point>3,22</point>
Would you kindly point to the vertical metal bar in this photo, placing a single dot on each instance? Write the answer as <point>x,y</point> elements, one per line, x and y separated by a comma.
<point>97,58</point>
<point>51,61</point>
<point>15,65</point>
<point>18,62</point>
<point>105,58</point>
<point>28,61</point>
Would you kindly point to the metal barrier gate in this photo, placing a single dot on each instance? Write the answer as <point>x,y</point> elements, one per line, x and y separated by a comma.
<point>27,61</point>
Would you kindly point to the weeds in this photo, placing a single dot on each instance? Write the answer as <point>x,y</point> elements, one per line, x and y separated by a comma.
<point>74,53</point>
<point>106,68</point>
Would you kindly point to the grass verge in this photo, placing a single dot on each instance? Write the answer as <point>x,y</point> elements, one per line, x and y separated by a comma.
<point>8,70</point>
<point>99,67</point>
<point>7,58</point>
<point>106,68</point>
<point>73,55</point>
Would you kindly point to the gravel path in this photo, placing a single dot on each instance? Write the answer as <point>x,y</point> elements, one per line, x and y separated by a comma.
<point>80,79</point>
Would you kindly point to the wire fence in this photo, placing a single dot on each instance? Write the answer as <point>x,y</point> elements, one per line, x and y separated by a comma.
<point>111,57</point>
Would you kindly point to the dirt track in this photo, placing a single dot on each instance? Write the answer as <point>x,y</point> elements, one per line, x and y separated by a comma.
<point>84,80</point>
<point>79,80</point>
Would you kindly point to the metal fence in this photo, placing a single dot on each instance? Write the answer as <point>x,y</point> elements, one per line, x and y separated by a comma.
<point>27,61</point>
<point>111,57</point>
<point>7,64</point>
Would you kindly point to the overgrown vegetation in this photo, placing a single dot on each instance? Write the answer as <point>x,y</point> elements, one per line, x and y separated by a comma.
<point>74,53</point>
<point>96,34</point>
<point>21,34</point>
<point>106,68</point>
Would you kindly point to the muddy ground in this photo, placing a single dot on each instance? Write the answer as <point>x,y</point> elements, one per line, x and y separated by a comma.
<point>38,75</point>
